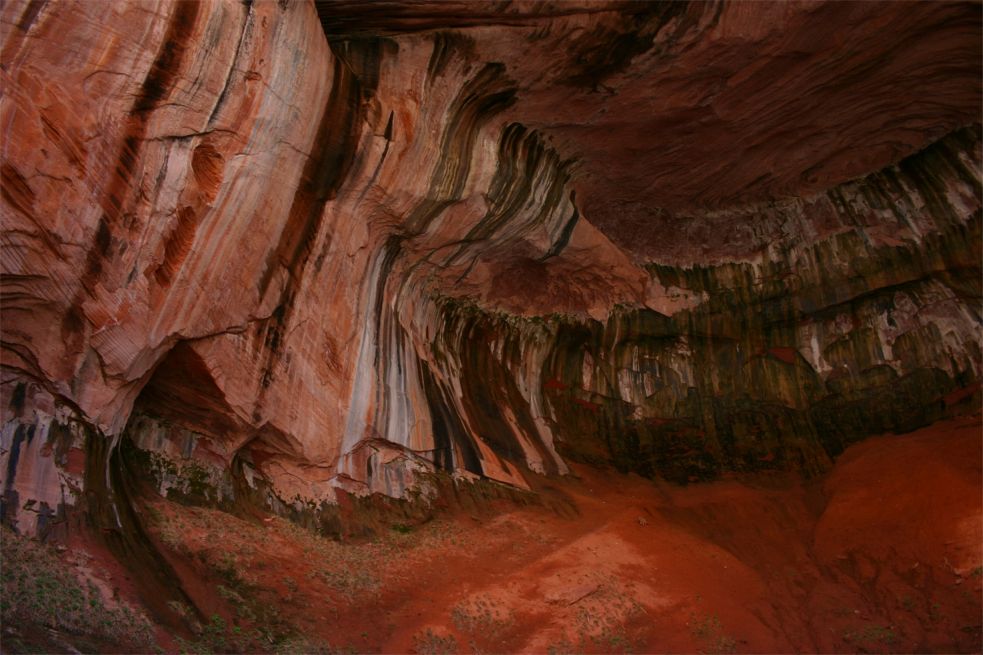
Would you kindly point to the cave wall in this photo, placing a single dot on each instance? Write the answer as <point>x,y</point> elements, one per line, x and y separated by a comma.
<point>798,353</point>
<point>137,140</point>
<point>339,264</point>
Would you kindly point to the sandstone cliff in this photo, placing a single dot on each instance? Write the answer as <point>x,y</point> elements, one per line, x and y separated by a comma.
<point>288,251</point>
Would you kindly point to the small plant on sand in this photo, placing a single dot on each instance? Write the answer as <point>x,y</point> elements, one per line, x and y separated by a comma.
<point>604,618</point>
<point>228,566</point>
<point>170,529</point>
<point>217,636</point>
<point>562,647</point>
<point>873,634</point>
<point>711,633</point>
<point>211,640</point>
<point>482,617</point>
<point>306,646</point>
<point>429,642</point>
<point>350,582</point>
<point>242,607</point>
<point>181,609</point>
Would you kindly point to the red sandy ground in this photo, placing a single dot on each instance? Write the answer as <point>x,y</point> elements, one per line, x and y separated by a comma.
<point>883,554</point>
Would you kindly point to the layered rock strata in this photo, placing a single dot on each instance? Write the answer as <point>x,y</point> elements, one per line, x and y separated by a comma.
<point>315,266</point>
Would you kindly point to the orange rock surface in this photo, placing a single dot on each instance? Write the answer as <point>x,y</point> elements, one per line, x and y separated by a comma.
<point>336,261</point>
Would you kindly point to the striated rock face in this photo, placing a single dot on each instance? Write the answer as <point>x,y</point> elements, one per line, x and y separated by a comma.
<point>682,238</point>
<point>673,109</point>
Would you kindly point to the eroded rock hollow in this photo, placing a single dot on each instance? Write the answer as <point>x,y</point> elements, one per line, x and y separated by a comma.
<point>331,260</point>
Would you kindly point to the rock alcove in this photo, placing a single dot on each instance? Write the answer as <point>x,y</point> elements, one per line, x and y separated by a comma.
<point>376,272</point>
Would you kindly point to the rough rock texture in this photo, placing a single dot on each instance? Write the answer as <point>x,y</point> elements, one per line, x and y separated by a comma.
<point>684,238</point>
<point>671,109</point>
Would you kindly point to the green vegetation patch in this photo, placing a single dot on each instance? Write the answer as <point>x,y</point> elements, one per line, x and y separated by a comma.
<point>42,595</point>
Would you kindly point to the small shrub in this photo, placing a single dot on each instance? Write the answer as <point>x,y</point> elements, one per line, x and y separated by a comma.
<point>305,646</point>
<point>711,633</point>
<point>604,617</point>
<point>431,643</point>
<point>218,637</point>
<point>873,634</point>
<point>562,647</point>
<point>480,616</point>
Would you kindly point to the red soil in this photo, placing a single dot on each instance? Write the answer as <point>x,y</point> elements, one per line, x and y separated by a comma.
<point>883,554</point>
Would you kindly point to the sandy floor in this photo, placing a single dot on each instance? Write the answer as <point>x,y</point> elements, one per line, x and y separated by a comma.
<point>882,555</point>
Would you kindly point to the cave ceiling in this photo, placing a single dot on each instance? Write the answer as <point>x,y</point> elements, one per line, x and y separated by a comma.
<point>675,110</point>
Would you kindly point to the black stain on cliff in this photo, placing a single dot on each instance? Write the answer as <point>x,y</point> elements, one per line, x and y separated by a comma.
<point>244,37</point>
<point>482,97</point>
<point>334,153</point>
<point>167,64</point>
<point>446,46</point>
<point>331,157</point>
<point>608,50</point>
<point>567,231</point>
<point>159,81</point>
<point>449,434</point>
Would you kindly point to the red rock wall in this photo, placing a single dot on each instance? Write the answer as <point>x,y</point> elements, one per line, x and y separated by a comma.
<point>253,247</point>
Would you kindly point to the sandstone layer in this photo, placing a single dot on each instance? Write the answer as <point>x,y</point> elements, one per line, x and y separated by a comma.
<point>282,253</point>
